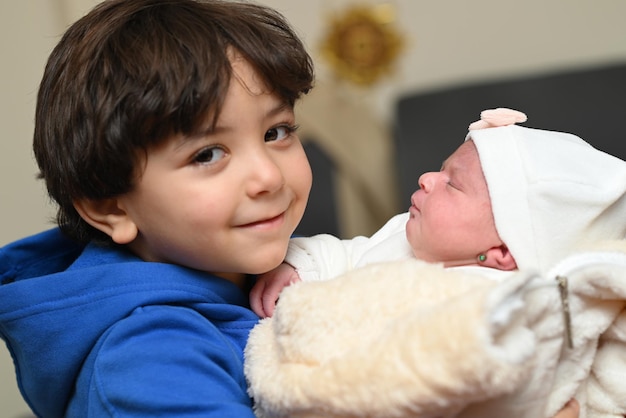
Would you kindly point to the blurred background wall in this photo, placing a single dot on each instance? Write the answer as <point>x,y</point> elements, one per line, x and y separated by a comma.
<point>445,43</point>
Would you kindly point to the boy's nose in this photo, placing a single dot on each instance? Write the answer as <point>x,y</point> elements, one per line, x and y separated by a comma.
<point>266,175</point>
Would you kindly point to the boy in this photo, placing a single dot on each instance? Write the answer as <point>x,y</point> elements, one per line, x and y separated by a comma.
<point>165,133</point>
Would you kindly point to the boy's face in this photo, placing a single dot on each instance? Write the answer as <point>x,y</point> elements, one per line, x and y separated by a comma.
<point>226,201</point>
<point>451,219</point>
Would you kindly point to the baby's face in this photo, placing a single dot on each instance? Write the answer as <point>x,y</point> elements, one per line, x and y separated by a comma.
<point>227,200</point>
<point>451,220</point>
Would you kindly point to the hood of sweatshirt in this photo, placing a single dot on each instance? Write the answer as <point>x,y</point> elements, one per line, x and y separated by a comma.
<point>58,297</point>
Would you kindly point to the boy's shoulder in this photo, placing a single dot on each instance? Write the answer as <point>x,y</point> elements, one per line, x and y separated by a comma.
<point>39,254</point>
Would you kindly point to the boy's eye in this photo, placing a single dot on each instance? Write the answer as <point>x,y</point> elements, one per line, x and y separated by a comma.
<point>278,133</point>
<point>209,155</point>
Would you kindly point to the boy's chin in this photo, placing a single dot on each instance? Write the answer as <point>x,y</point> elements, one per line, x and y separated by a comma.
<point>269,263</point>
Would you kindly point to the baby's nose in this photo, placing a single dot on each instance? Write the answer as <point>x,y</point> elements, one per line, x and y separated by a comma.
<point>425,181</point>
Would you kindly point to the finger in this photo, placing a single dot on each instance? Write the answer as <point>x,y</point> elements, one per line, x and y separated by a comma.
<point>570,410</point>
<point>269,300</point>
<point>256,299</point>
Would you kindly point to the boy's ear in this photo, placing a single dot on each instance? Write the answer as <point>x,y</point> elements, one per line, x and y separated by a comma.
<point>499,258</point>
<point>107,216</point>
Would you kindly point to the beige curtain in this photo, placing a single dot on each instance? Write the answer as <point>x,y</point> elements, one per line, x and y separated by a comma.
<point>70,10</point>
<point>362,150</point>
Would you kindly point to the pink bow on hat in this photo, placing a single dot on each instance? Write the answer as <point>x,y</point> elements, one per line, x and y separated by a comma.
<point>501,116</point>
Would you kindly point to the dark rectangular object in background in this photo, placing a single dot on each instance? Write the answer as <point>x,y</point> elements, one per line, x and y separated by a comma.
<point>590,103</point>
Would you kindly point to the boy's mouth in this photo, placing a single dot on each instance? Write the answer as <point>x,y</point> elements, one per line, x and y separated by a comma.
<point>266,223</point>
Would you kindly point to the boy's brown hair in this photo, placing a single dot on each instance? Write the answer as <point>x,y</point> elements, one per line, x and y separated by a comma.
<point>132,73</point>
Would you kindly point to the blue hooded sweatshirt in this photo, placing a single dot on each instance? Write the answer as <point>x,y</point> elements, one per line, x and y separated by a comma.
<point>96,332</point>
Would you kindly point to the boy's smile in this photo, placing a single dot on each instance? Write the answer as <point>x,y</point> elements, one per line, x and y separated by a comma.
<point>227,200</point>
<point>266,223</point>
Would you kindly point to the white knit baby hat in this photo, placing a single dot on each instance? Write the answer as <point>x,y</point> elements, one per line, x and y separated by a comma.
<point>551,192</point>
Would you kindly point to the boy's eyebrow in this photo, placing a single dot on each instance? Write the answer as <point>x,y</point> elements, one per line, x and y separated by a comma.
<point>282,106</point>
<point>212,129</point>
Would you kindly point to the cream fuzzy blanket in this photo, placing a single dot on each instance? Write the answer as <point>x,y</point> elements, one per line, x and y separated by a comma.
<point>410,339</point>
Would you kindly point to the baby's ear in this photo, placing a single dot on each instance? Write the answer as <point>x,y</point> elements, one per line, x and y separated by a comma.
<point>499,258</point>
<point>107,216</point>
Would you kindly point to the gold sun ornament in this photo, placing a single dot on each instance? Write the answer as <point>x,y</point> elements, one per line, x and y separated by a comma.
<point>362,44</point>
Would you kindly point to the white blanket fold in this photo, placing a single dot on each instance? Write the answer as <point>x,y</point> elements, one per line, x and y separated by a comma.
<point>410,339</point>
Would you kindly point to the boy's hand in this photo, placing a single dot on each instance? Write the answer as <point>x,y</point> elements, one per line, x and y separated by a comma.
<point>264,294</point>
